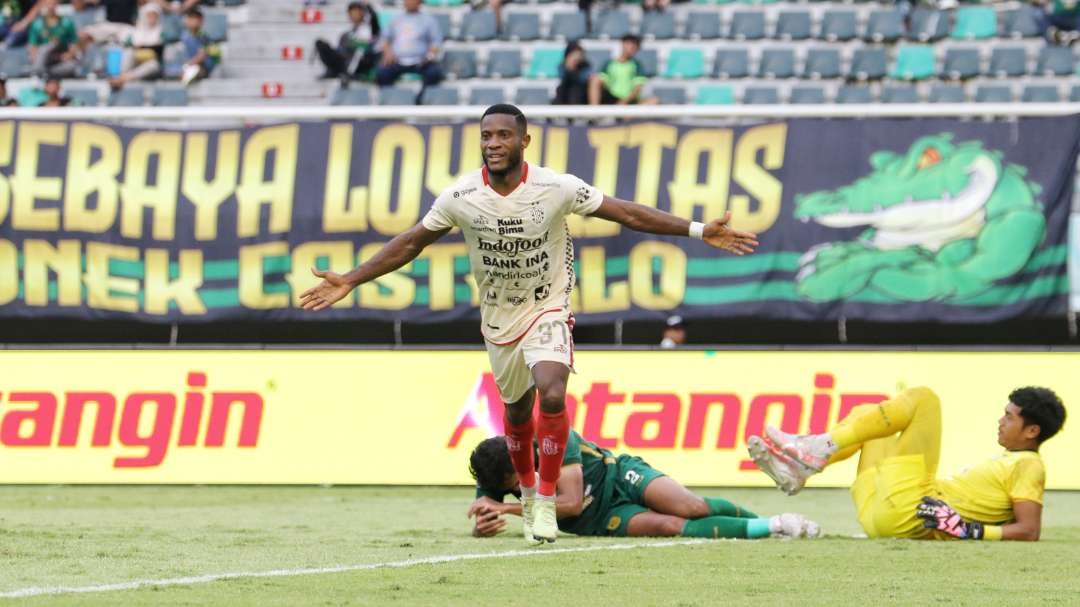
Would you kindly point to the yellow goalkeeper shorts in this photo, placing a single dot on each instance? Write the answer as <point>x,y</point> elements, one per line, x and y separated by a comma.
<point>886,497</point>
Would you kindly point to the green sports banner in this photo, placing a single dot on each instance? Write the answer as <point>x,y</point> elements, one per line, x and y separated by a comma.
<point>894,220</point>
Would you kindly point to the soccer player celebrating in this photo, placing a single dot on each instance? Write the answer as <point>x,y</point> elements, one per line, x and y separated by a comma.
<point>513,217</point>
<point>896,492</point>
<point>601,494</point>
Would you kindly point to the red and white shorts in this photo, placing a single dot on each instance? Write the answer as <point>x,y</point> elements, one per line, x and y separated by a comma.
<point>550,338</point>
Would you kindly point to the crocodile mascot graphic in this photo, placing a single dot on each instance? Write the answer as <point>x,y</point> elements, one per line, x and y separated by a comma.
<point>944,222</point>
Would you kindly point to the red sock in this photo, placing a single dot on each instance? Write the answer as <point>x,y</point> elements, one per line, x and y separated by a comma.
<point>553,432</point>
<point>519,440</point>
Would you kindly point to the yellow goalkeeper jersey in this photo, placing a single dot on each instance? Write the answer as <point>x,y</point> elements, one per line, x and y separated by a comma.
<point>986,492</point>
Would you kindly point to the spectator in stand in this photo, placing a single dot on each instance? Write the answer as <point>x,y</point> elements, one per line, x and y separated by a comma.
<point>201,55</point>
<point>15,19</point>
<point>4,99</point>
<point>574,75</point>
<point>52,90</point>
<point>674,333</point>
<point>144,59</point>
<point>356,53</point>
<point>1059,20</point>
<point>654,5</point>
<point>119,22</point>
<point>411,45</point>
<point>52,39</point>
<point>621,80</point>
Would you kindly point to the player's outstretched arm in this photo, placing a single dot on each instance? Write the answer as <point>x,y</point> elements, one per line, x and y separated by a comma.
<point>402,249</point>
<point>1027,525</point>
<point>641,218</point>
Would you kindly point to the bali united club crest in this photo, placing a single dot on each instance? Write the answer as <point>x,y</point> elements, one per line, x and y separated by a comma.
<point>537,214</point>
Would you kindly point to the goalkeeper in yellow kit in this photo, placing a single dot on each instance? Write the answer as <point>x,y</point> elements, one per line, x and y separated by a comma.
<point>897,492</point>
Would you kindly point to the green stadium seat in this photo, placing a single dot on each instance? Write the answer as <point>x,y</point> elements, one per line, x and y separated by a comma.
<point>974,23</point>
<point>715,94</point>
<point>913,63</point>
<point>545,63</point>
<point>685,63</point>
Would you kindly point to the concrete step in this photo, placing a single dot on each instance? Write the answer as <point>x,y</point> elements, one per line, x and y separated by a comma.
<point>272,70</point>
<point>251,88</point>
<point>278,36</point>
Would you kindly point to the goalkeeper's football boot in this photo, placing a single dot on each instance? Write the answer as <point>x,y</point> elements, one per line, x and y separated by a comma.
<point>812,451</point>
<point>528,509</point>
<point>545,526</point>
<point>793,525</point>
<point>789,475</point>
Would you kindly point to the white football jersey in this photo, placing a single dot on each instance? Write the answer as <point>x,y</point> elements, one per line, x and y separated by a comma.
<point>519,245</point>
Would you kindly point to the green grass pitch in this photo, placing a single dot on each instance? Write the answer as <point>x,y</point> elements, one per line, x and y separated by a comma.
<point>91,536</point>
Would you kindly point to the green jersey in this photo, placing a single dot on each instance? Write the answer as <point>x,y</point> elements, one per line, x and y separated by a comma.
<point>621,77</point>
<point>62,32</point>
<point>1066,7</point>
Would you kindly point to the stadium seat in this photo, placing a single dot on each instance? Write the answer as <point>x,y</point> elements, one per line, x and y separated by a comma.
<point>15,62</point>
<point>822,63</point>
<point>216,26</point>
<point>747,25</point>
<point>793,25</point>
<point>960,63</point>
<point>169,97</point>
<point>928,25</point>
<point>947,93</point>
<point>352,96</point>
<point>83,97</point>
<point>913,63</point>
<point>521,26</point>
<point>487,96</point>
<point>777,63</point>
<point>838,26</point>
<point>731,63</point>
<point>531,95</point>
<point>1008,62</point>
<point>459,64</point>
<point>545,63</point>
<point>478,26</point>
<point>715,94</point>
<point>1024,23</point>
<point>854,94</point>
<point>649,61</point>
<point>1055,61</point>
<point>899,94</point>
<point>974,23</point>
<point>504,64</point>
<point>807,95</point>
<point>444,2</point>
<point>1044,93</point>
<point>598,57</point>
<point>703,25</point>
<point>760,95</point>
<point>568,26</point>
<point>172,27</point>
<point>86,17</point>
<point>446,27</point>
<point>1074,94</point>
<point>993,93</point>
<point>868,63</point>
<point>670,95</point>
<point>129,96</point>
<point>393,95</point>
<point>685,63</point>
<point>440,95</point>
<point>611,24</point>
<point>658,26</point>
<point>884,26</point>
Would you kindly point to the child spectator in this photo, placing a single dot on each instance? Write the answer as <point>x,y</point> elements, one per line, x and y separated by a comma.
<point>621,80</point>
<point>52,43</point>
<point>201,55</point>
<point>574,74</point>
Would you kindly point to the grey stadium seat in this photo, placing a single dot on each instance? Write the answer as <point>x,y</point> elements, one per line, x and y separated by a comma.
<point>169,97</point>
<point>703,25</point>
<point>86,17</point>
<point>216,26</point>
<point>899,94</point>
<point>993,93</point>
<point>793,25</point>
<point>960,63</point>
<point>521,26</point>
<point>598,57</point>
<point>393,95</point>
<point>440,95</point>
<point>884,26</point>
<point>838,26</point>
<point>854,94</point>
<point>459,63</point>
<point>747,25</point>
<point>1024,23</point>
<point>1074,94</point>
<point>777,63</point>
<point>1006,62</point>
<point>822,63</point>
<point>731,63</point>
<point>868,64</point>
<point>807,95</point>
<point>445,26</point>
<point>611,24</point>
<point>670,95</point>
<point>359,96</point>
<point>531,95</point>
<point>1040,93</point>
<point>504,64</point>
<point>172,27</point>
<point>658,26</point>
<point>83,97</point>
<point>568,26</point>
<point>928,25</point>
<point>649,61</point>
<point>487,96</point>
<point>947,93</point>
<point>1055,61</point>
<point>15,62</point>
<point>478,25</point>
<point>129,96</point>
<point>760,95</point>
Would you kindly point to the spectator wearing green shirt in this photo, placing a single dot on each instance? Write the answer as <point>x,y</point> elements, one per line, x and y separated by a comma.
<point>52,43</point>
<point>1060,20</point>
<point>621,80</point>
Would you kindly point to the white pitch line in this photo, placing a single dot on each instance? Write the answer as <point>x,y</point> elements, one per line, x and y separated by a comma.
<point>431,560</point>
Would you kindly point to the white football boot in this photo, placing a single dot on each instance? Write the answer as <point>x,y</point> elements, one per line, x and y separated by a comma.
<point>789,475</point>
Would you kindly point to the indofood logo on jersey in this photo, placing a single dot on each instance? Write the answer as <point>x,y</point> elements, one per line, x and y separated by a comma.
<point>681,413</point>
<point>512,247</point>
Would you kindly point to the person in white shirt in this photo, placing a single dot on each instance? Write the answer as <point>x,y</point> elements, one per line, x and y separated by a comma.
<point>513,218</point>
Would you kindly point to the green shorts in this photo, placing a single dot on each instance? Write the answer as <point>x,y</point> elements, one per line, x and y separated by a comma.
<point>628,500</point>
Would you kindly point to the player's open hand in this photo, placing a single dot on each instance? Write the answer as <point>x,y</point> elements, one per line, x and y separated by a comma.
<point>720,235</point>
<point>323,295</point>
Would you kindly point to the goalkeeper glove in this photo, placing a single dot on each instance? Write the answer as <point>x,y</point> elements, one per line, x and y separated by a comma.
<point>936,514</point>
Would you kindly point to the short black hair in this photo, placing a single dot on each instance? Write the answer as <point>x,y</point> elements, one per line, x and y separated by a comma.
<point>1040,406</point>
<point>632,38</point>
<point>194,12</point>
<point>490,464</point>
<point>357,6</point>
<point>509,110</point>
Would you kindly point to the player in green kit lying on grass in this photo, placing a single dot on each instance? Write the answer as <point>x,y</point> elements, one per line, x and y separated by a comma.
<point>599,493</point>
